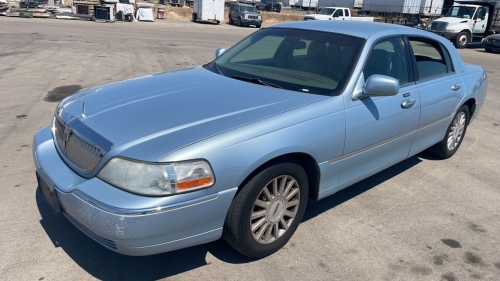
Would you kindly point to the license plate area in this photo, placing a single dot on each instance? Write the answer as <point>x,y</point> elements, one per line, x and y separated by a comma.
<point>48,189</point>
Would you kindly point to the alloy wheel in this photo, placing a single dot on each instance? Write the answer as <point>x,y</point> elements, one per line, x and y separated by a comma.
<point>275,209</point>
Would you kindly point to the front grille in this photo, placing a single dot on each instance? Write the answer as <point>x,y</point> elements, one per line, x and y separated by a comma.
<point>253,17</point>
<point>438,26</point>
<point>99,239</point>
<point>84,154</point>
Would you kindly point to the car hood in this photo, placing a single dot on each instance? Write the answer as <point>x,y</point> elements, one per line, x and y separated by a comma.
<point>251,13</point>
<point>452,20</point>
<point>148,117</point>
<point>494,36</point>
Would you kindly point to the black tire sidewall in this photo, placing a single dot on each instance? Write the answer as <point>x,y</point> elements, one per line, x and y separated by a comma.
<point>247,197</point>
<point>457,40</point>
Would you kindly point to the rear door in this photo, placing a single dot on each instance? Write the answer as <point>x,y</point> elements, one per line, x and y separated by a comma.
<point>440,87</point>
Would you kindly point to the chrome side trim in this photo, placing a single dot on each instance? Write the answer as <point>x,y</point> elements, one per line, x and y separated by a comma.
<point>354,153</point>
<point>147,211</point>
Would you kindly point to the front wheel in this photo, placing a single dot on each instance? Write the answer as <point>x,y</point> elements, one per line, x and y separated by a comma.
<point>240,24</point>
<point>195,17</point>
<point>267,210</point>
<point>462,40</point>
<point>230,20</point>
<point>488,50</point>
<point>454,135</point>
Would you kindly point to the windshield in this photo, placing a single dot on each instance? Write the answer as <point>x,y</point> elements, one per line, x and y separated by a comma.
<point>299,60</point>
<point>462,12</point>
<point>248,9</point>
<point>326,11</point>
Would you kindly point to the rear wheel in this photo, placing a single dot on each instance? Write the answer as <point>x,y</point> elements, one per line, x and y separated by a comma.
<point>267,210</point>
<point>454,135</point>
<point>195,17</point>
<point>462,40</point>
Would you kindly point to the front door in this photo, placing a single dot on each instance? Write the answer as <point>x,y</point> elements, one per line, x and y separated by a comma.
<point>380,130</point>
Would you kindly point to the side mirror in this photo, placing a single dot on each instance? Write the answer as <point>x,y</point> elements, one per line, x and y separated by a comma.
<point>219,51</point>
<point>378,86</point>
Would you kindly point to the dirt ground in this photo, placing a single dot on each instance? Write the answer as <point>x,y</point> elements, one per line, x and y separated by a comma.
<point>269,18</point>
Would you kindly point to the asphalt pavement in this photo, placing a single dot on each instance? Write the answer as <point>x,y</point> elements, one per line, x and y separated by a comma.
<point>422,219</point>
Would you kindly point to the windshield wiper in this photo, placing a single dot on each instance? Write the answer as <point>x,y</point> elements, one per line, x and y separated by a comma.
<point>256,81</point>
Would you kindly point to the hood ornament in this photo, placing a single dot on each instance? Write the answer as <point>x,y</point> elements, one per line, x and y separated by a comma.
<point>83,110</point>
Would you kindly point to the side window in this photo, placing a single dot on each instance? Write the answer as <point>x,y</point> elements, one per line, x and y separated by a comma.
<point>338,13</point>
<point>346,12</point>
<point>387,58</point>
<point>429,57</point>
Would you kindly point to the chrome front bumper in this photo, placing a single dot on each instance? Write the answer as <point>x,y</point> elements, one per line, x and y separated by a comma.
<point>127,223</point>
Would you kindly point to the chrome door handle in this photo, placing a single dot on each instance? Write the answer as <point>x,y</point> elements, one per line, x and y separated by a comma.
<point>456,87</point>
<point>408,103</point>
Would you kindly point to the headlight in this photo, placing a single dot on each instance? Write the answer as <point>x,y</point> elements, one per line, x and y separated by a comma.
<point>155,179</point>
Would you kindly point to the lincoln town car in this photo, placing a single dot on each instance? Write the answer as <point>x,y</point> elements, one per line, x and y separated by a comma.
<point>237,148</point>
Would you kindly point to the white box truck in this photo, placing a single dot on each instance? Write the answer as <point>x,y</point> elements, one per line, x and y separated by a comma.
<point>469,21</point>
<point>208,10</point>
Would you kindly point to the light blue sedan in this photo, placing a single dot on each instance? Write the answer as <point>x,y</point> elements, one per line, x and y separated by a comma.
<point>237,147</point>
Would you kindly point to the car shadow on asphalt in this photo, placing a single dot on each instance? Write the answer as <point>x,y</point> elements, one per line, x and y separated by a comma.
<point>317,208</point>
<point>105,264</point>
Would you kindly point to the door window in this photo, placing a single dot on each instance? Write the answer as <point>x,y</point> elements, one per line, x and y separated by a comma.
<point>387,58</point>
<point>430,58</point>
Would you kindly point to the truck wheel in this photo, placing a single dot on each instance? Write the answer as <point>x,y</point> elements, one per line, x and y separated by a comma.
<point>195,17</point>
<point>240,24</point>
<point>462,40</point>
<point>267,210</point>
<point>230,20</point>
<point>488,50</point>
<point>258,25</point>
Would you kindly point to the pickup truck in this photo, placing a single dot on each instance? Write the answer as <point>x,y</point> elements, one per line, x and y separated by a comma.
<point>335,13</point>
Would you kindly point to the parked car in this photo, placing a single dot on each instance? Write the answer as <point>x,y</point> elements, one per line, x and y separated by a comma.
<point>492,43</point>
<point>236,148</point>
<point>335,13</point>
<point>244,14</point>
<point>268,5</point>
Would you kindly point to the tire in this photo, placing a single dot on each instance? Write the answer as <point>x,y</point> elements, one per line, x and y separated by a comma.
<point>258,26</point>
<point>462,40</point>
<point>261,203</point>
<point>230,20</point>
<point>195,17</point>
<point>454,135</point>
<point>488,50</point>
<point>240,24</point>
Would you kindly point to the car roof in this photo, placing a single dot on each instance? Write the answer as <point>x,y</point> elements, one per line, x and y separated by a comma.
<point>362,29</point>
<point>243,4</point>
